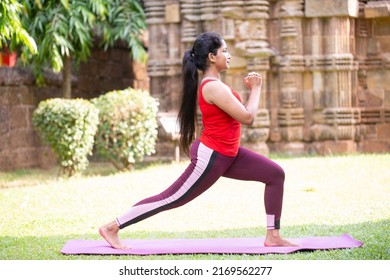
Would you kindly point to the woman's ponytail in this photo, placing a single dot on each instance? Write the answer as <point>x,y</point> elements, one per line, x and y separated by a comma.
<point>187,113</point>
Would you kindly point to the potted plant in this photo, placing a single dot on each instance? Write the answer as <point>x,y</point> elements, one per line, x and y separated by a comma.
<point>7,57</point>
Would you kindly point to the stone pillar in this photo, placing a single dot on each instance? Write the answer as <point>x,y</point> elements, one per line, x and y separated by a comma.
<point>334,69</point>
<point>164,61</point>
<point>190,29</point>
<point>373,95</point>
<point>244,27</point>
<point>288,65</point>
<point>210,13</point>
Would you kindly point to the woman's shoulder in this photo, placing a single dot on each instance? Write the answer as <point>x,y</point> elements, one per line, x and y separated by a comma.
<point>216,91</point>
<point>214,84</point>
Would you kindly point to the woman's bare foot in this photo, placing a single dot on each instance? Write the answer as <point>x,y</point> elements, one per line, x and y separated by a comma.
<point>274,239</point>
<point>110,233</point>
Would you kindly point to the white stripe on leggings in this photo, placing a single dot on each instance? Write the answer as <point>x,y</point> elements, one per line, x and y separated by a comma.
<point>203,158</point>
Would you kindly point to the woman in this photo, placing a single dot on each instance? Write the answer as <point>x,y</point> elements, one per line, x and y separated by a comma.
<point>217,152</point>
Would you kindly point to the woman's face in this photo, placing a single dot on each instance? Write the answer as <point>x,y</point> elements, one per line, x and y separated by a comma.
<point>222,59</point>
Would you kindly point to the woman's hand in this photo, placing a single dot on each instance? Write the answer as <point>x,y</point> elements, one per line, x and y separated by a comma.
<point>253,80</point>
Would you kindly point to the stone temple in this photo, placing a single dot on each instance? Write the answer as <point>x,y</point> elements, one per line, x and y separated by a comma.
<point>326,67</point>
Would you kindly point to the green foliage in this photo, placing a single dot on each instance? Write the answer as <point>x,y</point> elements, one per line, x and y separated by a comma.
<point>126,22</point>
<point>61,29</point>
<point>66,29</point>
<point>69,127</point>
<point>12,32</point>
<point>127,126</point>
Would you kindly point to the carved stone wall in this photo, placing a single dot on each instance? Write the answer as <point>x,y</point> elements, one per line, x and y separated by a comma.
<point>326,67</point>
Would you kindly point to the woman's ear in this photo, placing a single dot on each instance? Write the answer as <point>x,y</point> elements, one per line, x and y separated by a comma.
<point>211,57</point>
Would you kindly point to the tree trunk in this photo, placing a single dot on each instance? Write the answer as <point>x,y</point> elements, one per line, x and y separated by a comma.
<point>67,78</point>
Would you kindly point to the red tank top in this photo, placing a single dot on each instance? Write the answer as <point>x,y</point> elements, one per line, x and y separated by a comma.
<point>220,131</point>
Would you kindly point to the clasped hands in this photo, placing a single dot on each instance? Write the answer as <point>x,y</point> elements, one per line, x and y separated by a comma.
<point>253,80</point>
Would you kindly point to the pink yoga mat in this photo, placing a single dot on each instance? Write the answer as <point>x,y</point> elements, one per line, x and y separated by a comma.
<point>207,246</point>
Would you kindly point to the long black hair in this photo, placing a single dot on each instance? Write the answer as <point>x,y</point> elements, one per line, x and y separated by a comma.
<point>194,59</point>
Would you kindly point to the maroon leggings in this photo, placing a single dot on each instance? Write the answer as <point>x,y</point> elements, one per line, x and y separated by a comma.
<point>206,167</point>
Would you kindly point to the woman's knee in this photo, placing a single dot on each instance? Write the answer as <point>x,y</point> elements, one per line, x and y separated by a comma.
<point>277,174</point>
<point>280,172</point>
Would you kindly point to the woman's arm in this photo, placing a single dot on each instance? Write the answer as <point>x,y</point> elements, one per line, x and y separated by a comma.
<point>219,94</point>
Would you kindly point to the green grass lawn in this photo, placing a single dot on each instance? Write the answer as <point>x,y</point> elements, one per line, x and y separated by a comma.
<point>324,196</point>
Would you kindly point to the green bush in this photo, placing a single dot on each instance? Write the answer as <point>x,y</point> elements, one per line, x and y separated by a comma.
<point>69,127</point>
<point>127,128</point>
